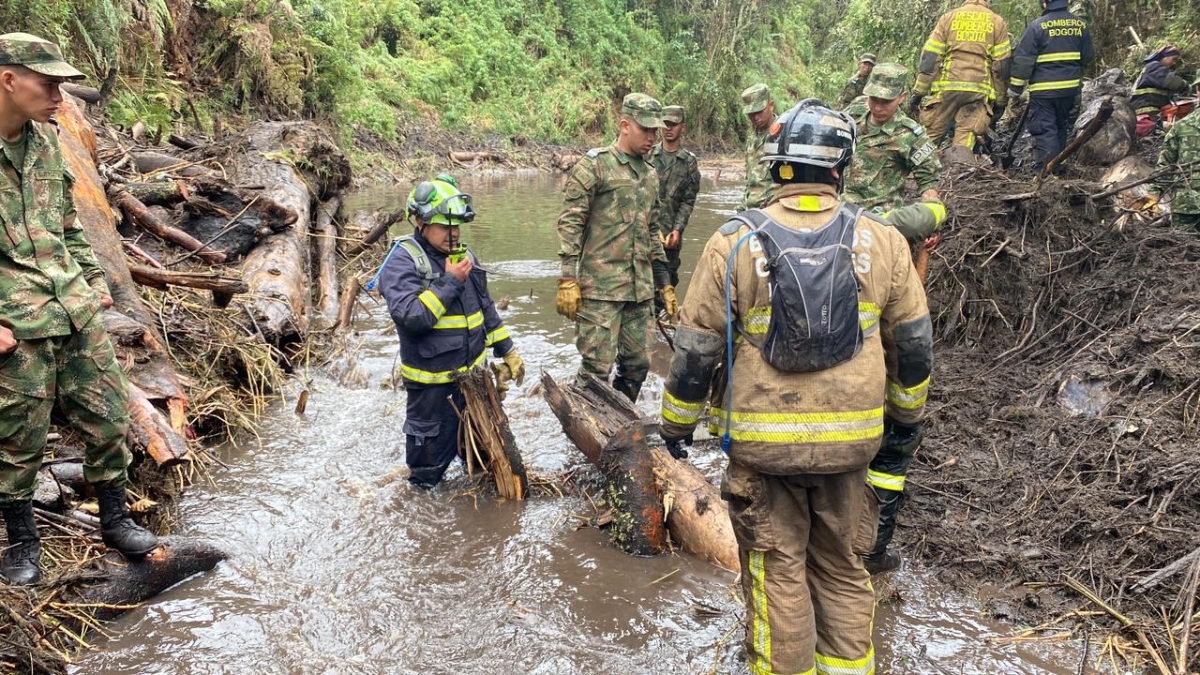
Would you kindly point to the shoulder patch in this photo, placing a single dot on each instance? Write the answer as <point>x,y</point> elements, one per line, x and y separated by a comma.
<point>595,152</point>
<point>923,153</point>
<point>912,125</point>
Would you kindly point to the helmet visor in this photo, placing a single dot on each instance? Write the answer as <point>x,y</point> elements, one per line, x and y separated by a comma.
<point>453,210</point>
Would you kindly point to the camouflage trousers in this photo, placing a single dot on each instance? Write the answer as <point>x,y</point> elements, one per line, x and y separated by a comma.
<point>607,331</point>
<point>809,601</point>
<point>78,374</point>
<point>966,110</point>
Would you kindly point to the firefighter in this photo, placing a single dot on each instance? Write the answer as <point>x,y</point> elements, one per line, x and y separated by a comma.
<point>802,397</point>
<point>1155,86</point>
<point>438,298</point>
<point>962,72</point>
<point>1049,62</point>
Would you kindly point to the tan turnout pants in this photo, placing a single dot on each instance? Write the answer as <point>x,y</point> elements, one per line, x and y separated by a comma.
<point>809,602</point>
<point>967,110</point>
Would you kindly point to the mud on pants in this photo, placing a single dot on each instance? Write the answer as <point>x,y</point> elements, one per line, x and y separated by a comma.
<point>431,431</point>
<point>886,475</point>
<point>1049,124</point>
<point>809,602</point>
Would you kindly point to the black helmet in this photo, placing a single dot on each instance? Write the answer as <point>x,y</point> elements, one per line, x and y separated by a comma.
<point>811,133</point>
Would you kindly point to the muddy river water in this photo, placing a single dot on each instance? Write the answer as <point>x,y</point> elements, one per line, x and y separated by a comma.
<point>338,566</point>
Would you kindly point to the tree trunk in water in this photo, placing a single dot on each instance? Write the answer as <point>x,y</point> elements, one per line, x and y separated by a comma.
<point>327,267</point>
<point>487,438</point>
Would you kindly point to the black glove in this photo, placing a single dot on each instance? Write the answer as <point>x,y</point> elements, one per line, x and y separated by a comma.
<point>675,446</point>
<point>902,438</point>
<point>914,105</point>
<point>998,109</point>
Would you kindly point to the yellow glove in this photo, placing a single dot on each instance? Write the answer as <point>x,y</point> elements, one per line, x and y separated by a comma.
<point>670,303</point>
<point>501,381</point>
<point>1148,205</point>
<point>568,298</point>
<point>512,370</point>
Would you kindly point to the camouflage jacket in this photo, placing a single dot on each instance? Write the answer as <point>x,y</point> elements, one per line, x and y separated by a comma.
<point>853,89</point>
<point>50,277</point>
<point>885,156</point>
<point>678,185</point>
<point>1180,146</point>
<point>607,231</point>
<point>758,177</point>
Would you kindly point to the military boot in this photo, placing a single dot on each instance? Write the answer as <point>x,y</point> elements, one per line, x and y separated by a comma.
<point>117,528</point>
<point>20,565</point>
<point>881,558</point>
<point>630,388</point>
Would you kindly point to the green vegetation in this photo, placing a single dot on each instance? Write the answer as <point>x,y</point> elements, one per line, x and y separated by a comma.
<point>544,69</point>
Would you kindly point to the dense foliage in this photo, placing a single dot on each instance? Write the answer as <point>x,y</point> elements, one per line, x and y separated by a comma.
<point>550,69</point>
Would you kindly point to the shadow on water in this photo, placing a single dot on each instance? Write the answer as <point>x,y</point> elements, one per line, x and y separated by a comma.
<point>338,566</point>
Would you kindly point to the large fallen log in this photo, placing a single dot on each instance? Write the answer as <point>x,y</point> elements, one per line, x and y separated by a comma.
<point>142,217</point>
<point>610,432</point>
<point>160,278</point>
<point>122,583</point>
<point>150,431</point>
<point>327,268</point>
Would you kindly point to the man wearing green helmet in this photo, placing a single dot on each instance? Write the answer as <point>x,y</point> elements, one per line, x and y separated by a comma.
<point>445,318</point>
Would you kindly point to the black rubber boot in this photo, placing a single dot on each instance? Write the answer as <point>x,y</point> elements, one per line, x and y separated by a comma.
<point>20,565</point>
<point>630,388</point>
<point>117,528</point>
<point>882,559</point>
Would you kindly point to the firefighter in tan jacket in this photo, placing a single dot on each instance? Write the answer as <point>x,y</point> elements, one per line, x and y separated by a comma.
<point>802,402</point>
<point>963,73</point>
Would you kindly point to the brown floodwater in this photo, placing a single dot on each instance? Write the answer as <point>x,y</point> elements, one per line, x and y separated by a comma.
<point>338,566</point>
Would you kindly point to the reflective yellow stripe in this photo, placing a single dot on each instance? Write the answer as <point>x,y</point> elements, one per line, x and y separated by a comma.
<point>1001,51</point>
<point>826,427</point>
<point>756,320</point>
<point>939,211</point>
<point>810,203</point>
<point>760,630</point>
<point>443,377</point>
<point>1148,110</point>
<point>868,318</point>
<point>957,85</point>
<point>679,411</point>
<point>936,47</point>
<point>432,303</point>
<point>1061,56</point>
<point>1151,90</point>
<point>833,665</point>
<point>885,481</point>
<point>908,398</point>
<point>497,335</point>
<point>459,321</point>
<point>1018,82</point>
<point>1057,84</point>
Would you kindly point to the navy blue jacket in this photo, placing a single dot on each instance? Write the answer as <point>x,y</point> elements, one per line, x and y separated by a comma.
<point>1154,87</point>
<point>444,325</point>
<point>1054,50</point>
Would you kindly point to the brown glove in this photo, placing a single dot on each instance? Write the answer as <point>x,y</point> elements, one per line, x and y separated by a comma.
<point>568,299</point>
<point>670,303</point>
<point>512,370</point>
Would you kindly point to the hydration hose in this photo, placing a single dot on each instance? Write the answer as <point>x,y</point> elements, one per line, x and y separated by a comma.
<point>375,279</point>
<point>726,439</point>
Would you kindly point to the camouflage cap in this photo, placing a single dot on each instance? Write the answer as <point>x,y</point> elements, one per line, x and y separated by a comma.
<point>755,98</point>
<point>887,81</point>
<point>673,113</point>
<point>36,54</point>
<point>644,110</point>
<point>867,58</point>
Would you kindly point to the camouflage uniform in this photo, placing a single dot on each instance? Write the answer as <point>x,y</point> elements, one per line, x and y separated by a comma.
<point>1180,146</point>
<point>758,175</point>
<point>889,153</point>
<point>609,243</point>
<point>50,299</point>
<point>854,86</point>
<point>678,185</point>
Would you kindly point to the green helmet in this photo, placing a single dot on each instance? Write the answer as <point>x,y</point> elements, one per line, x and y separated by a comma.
<point>435,201</point>
<point>446,178</point>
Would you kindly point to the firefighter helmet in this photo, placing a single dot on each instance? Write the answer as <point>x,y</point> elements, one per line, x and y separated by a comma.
<point>811,133</point>
<point>435,201</point>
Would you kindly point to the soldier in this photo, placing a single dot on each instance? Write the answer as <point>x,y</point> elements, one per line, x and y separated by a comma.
<point>964,67</point>
<point>1181,146</point>
<point>612,257</point>
<point>854,86</point>
<point>760,108</point>
<point>1054,50</point>
<point>891,146</point>
<point>678,185</point>
<point>54,350</point>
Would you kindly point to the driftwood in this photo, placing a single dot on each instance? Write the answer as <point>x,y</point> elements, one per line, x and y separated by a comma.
<point>122,583</point>
<point>468,158</point>
<point>181,142</point>
<point>152,162</point>
<point>327,262</point>
<point>375,224</point>
<point>141,216</point>
<point>487,439</point>
<point>151,432</point>
<point>1167,572</point>
<point>90,95</point>
<point>610,432</point>
<point>160,193</point>
<point>346,307</point>
<point>223,288</point>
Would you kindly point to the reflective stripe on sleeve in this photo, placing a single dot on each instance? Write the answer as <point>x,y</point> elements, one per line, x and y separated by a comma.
<point>443,377</point>
<point>1001,51</point>
<point>907,398</point>
<point>822,427</point>
<point>939,212</point>
<point>885,481</point>
<point>682,412</point>
<point>497,335</point>
<point>431,302</point>
<point>1018,82</point>
<point>1151,90</point>
<point>935,47</point>
<point>833,665</point>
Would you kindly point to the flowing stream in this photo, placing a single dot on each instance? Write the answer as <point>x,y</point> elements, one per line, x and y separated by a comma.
<point>337,565</point>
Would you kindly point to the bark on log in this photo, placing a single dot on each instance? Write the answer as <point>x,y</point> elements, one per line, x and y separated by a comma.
<point>161,193</point>
<point>153,162</point>
<point>599,421</point>
<point>151,432</point>
<point>69,474</point>
<point>141,216</point>
<point>487,438</point>
<point>327,279</point>
<point>129,582</point>
<point>349,300</point>
<point>159,278</point>
<point>1116,138</point>
<point>81,91</point>
<point>376,224</point>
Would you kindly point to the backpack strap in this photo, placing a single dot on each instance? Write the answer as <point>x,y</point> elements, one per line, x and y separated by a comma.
<point>752,218</point>
<point>414,251</point>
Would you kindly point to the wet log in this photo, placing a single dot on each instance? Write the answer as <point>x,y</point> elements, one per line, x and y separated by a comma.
<point>160,278</point>
<point>346,307</point>
<point>154,162</point>
<point>327,264</point>
<point>122,583</point>
<point>1084,134</point>
<point>69,475</point>
<point>151,432</point>
<point>141,216</point>
<point>161,193</point>
<point>81,91</point>
<point>181,142</point>
<point>375,224</point>
<point>487,439</point>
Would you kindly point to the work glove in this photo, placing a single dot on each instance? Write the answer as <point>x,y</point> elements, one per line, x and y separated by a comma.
<point>513,368</point>
<point>914,105</point>
<point>568,299</point>
<point>670,303</point>
<point>998,109</point>
<point>1148,205</point>
<point>901,438</point>
<point>675,446</point>
<point>502,385</point>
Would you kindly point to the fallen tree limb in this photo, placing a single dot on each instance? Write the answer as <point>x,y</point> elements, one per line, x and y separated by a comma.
<point>1167,572</point>
<point>327,279</point>
<point>223,288</point>
<point>346,307</point>
<point>81,91</point>
<point>1106,110</point>
<point>151,432</point>
<point>487,438</point>
<point>141,216</point>
<point>376,230</point>
<point>1164,171</point>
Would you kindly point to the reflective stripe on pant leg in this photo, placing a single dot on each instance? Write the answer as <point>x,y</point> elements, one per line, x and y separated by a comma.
<point>596,332</point>
<point>760,624</point>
